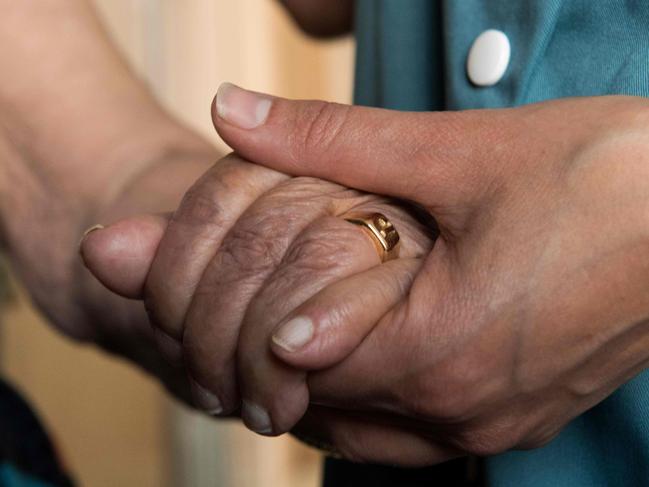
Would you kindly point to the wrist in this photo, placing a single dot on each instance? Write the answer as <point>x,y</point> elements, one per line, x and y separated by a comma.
<point>80,138</point>
<point>37,196</point>
<point>43,221</point>
<point>157,188</point>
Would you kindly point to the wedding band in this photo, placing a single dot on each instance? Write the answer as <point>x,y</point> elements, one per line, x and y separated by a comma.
<point>383,234</point>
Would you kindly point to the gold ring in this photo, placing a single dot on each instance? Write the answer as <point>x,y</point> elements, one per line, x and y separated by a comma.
<point>384,236</point>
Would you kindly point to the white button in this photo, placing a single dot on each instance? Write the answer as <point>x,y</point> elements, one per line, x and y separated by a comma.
<point>488,58</point>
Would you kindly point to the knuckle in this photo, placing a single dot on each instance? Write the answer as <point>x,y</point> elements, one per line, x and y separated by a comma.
<point>202,204</point>
<point>199,208</point>
<point>318,125</point>
<point>238,175</point>
<point>312,259</point>
<point>315,250</point>
<point>252,247</point>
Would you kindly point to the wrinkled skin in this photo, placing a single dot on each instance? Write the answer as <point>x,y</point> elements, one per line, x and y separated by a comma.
<point>529,309</point>
<point>245,247</point>
<point>100,148</point>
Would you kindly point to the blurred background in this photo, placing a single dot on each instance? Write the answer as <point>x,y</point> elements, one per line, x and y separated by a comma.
<point>113,425</point>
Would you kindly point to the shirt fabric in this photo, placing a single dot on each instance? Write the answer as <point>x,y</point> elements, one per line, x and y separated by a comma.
<point>412,56</point>
<point>28,457</point>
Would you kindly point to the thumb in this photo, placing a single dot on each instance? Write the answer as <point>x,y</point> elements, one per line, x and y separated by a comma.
<point>441,160</point>
<point>120,255</point>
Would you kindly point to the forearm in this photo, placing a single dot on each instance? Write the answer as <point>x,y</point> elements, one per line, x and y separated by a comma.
<point>71,107</point>
<point>78,130</point>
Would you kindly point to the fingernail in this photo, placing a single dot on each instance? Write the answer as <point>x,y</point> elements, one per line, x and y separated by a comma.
<point>256,418</point>
<point>93,228</point>
<point>243,108</point>
<point>206,400</point>
<point>294,334</point>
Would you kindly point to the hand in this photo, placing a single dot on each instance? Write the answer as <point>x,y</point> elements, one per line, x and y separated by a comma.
<point>246,246</point>
<point>532,306</point>
<point>41,230</point>
<point>256,274</point>
<point>100,148</point>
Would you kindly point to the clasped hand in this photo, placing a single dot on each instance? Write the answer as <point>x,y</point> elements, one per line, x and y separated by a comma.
<point>529,308</point>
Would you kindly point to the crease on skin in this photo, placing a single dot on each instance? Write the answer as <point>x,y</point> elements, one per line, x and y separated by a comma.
<point>402,280</point>
<point>322,377</point>
<point>355,237</point>
<point>231,167</point>
<point>382,328</point>
<point>306,196</point>
<point>342,200</point>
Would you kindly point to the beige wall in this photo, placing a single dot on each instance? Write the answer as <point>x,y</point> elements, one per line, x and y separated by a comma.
<point>186,48</point>
<point>114,426</point>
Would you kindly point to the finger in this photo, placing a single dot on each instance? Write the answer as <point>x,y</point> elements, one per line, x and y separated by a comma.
<point>362,438</point>
<point>195,232</point>
<point>406,344</point>
<point>249,253</point>
<point>340,317</point>
<point>120,255</point>
<point>444,161</point>
<point>327,251</point>
<point>275,396</point>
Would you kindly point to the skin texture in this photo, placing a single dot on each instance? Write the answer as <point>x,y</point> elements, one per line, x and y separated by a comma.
<point>529,309</point>
<point>242,234</point>
<point>532,305</point>
<point>82,141</point>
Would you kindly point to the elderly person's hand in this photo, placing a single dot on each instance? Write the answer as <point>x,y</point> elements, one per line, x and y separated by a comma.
<point>246,246</point>
<point>532,306</point>
<point>92,145</point>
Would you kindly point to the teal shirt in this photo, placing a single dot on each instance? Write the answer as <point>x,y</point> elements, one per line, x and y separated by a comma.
<point>412,56</point>
<point>12,476</point>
